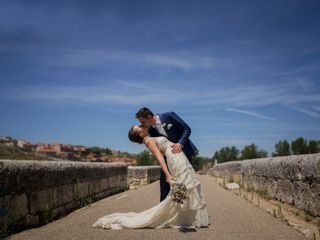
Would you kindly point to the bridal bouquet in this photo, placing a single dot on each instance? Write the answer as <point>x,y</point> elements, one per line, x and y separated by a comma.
<point>179,192</point>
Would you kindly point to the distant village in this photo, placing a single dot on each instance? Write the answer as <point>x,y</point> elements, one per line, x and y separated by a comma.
<point>60,151</point>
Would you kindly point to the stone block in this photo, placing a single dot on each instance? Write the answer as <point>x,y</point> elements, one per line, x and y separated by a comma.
<point>39,200</point>
<point>104,183</point>
<point>95,186</point>
<point>32,220</point>
<point>141,175</point>
<point>63,194</point>
<point>81,190</point>
<point>58,211</point>
<point>310,167</point>
<point>284,191</point>
<point>16,205</point>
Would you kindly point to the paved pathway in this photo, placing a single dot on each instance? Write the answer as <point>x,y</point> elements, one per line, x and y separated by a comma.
<point>232,218</point>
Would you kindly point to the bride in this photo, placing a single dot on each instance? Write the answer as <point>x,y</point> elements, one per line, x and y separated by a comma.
<point>168,213</point>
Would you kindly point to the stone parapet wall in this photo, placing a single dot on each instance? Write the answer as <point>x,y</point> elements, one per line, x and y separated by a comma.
<point>142,175</point>
<point>35,192</point>
<point>291,179</point>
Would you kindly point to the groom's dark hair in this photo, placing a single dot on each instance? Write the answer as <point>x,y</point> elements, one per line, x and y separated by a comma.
<point>144,113</point>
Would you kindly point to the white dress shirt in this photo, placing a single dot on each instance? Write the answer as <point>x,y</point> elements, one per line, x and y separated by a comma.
<point>159,127</point>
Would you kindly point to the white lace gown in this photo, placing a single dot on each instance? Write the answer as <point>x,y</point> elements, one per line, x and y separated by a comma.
<point>168,213</point>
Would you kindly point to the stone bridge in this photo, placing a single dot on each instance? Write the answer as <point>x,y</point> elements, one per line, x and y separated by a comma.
<point>232,216</point>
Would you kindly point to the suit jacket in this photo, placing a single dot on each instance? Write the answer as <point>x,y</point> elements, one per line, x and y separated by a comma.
<point>178,132</point>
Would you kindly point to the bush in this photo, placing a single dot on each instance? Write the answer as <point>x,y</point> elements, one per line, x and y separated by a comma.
<point>145,158</point>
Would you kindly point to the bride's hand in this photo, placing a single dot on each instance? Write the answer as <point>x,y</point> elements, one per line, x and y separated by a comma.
<point>170,178</point>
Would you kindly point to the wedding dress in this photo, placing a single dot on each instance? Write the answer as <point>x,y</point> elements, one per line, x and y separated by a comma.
<point>168,213</point>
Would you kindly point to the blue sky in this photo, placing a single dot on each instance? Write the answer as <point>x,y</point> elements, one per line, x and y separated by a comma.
<point>237,72</point>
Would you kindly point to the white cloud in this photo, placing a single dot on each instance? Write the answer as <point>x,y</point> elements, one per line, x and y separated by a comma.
<point>315,114</point>
<point>300,71</point>
<point>258,95</point>
<point>317,108</point>
<point>165,93</point>
<point>113,94</point>
<point>100,58</point>
<point>254,114</point>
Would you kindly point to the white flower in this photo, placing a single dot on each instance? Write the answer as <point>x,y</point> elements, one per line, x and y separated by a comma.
<point>169,126</point>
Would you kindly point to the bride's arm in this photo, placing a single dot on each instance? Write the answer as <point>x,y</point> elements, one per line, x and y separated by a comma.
<point>152,146</point>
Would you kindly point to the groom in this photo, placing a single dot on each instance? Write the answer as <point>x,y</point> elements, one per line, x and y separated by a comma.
<point>171,126</point>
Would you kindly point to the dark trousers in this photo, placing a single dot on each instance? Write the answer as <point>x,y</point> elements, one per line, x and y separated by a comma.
<point>164,185</point>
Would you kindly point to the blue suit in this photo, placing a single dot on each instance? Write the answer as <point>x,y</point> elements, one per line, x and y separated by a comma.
<point>178,132</point>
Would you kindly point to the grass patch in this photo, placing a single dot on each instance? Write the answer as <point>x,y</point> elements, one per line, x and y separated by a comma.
<point>46,215</point>
<point>307,217</point>
<point>7,224</point>
<point>264,194</point>
<point>86,202</point>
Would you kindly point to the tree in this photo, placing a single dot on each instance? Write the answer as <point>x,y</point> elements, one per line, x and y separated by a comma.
<point>251,152</point>
<point>199,162</point>
<point>108,151</point>
<point>126,154</point>
<point>145,158</point>
<point>262,154</point>
<point>299,146</point>
<point>282,148</point>
<point>234,153</point>
<point>226,154</point>
<point>96,150</point>
<point>314,146</point>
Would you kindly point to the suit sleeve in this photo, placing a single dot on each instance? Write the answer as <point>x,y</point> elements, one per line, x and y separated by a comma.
<point>182,126</point>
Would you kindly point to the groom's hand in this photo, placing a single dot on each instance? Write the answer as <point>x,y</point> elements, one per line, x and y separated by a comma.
<point>176,148</point>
